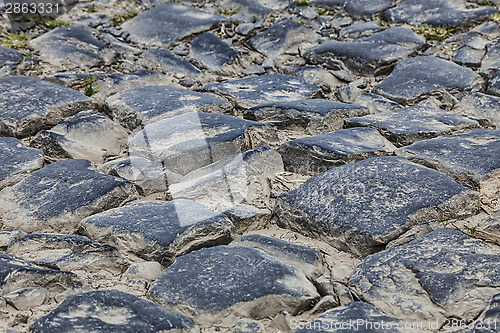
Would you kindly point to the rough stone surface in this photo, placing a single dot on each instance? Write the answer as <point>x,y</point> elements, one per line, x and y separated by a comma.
<point>256,7</point>
<point>142,106</point>
<point>111,311</point>
<point>376,103</point>
<point>316,154</point>
<point>481,107</point>
<point>178,22</point>
<point>171,63</point>
<point>9,61</point>
<point>66,252</point>
<point>407,125</point>
<point>436,12</point>
<point>471,158</point>
<point>245,217</point>
<point>361,206</point>
<point>362,315</point>
<point>285,36</point>
<point>396,35</point>
<point>27,298</point>
<point>255,90</point>
<point>488,320</point>
<point>28,104</point>
<point>72,46</point>
<point>58,196</point>
<point>471,53</point>
<point>16,273</point>
<point>17,161</point>
<point>494,84</point>
<point>192,140</point>
<point>444,274</point>
<point>416,77</point>
<point>88,134</point>
<point>211,52</point>
<point>312,115</point>
<point>159,230</point>
<point>241,178</point>
<point>491,60</point>
<point>241,280</point>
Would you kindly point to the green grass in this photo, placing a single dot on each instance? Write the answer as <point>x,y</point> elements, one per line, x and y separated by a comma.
<point>438,33</point>
<point>324,11</point>
<point>120,18</point>
<point>89,87</point>
<point>487,3</point>
<point>14,41</point>
<point>302,3</point>
<point>227,12</point>
<point>383,23</point>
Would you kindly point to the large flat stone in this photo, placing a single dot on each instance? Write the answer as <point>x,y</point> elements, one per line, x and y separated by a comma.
<point>444,274</point>
<point>111,311</point>
<point>142,106</point>
<point>28,104</point>
<point>436,12</point>
<point>67,252</point>
<point>471,159</point>
<point>72,46</point>
<point>481,107</point>
<point>415,77</point>
<point>239,178</point>
<point>353,317</point>
<point>16,273</point>
<point>233,281</point>
<point>17,161</point>
<point>396,35</point>
<point>193,140</point>
<point>312,115</point>
<point>283,37</point>
<point>58,196</point>
<point>87,135</point>
<point>362,57</point>
<point>159,230</point>
<point>316,154</point>
<point>407,125</point>
<point>491,60</point>
<point>178,21</point>
<point>171,63</point>
<point>361,206</point>
<point>255,90</point>
<point>210,52</point>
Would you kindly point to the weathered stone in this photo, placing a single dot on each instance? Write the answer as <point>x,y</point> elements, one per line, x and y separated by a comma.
<point>408,125</point>
<point>444,274</point>
<point>471,52</point>
<point>67,252</point>
<point>28,104</point>
<point>306,259</point>
<point>88,134</point>
<point>361,206</point>
<point>357,30</point>
<point>436,12</point>
<point>16,273</point>
<point>491,60</point>
<point>360,8</point>
<point>284,37</point>
<point>249,326</point>
<point>316,154</point>
<point>487,321</point>
<point>244,217</point>
<point>27,298</point>
<point>240,178</point>
<point>17,161</point>
<point>148,177</point>
<point>355,316</point>
<point>481,107</point>
<point>149,270</point>
<point>256,7</point>
<point>210,52</point>
<point>494,84</point>
<point>376,103</point>
<point>9,61</point>
<point>362,57</point>
<point>319,76</point>
<point>8,236</point>
<point>58,196</point>
<point>171,63</point>
<point>192,140</point>
<point>236,281</point>
<point>312,115</point>
<point>178,22</point>
<point>255,90</point>
<point>396,35</point>
<point>111,311</point>
<point>415,77</point>
<point>72,46</point>
<point>159,230</point>
<point>142,106</point>
<point>471,159</point>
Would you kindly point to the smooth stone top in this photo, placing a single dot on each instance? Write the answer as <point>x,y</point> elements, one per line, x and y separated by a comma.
<point>111,311</point>
<point>254,90</point>
<point>212,52</point>
<point>436,12</point>
<point>171,63</point>
<point>17,161</point>
<point>178,21</point>
<point>9,56</point>
<point>418,76</point>
<point>396,35</point>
